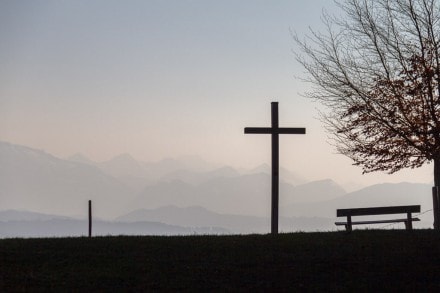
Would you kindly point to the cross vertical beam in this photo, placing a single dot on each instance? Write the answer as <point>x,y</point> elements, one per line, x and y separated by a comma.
<point>275,169</point>
<point>275,131</point>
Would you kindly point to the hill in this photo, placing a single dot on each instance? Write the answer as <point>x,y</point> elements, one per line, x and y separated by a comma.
<point>34,180</point>
<point>241,195</point>
<point>30,224</point>
<point>239,201</point>
<point>363,261</point>
<point>169,220</point>
<point>195,216</point>
<point>76,228</point>
<point>14,215</point>
<point>138,174</point>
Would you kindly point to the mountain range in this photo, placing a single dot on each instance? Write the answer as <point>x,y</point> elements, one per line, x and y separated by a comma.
<point>31,224</point>
<point>194,215</point>
<point>124,188</point>
<point>34,180</point>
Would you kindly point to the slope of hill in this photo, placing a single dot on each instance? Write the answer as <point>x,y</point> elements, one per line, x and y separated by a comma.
<point>76,228</point>
<point>138,174</point>
<point>241,195</point>
<point>197,177</point>
<point>34,180</point>
<point>15,215</point>
<point>169,220</point>
<point>315,191</point>
<point>246,195</point>
<point>80,158</point>
<point>285,175</point>
<point>194,216</point>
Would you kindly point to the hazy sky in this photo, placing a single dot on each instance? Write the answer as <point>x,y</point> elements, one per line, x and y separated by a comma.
<point>161,79</point>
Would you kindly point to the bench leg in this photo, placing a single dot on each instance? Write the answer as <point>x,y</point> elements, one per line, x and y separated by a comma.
<point>408,223</point>
<point>348,227</point>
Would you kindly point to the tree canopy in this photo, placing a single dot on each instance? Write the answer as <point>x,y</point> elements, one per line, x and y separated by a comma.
<point>377,70</point>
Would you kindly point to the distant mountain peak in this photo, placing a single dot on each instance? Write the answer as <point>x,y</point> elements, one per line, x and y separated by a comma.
<point>80,158</point>
<point>285,174</point>
<point>263,168</point>
<point>196,162</point>
<point>24,215</point>
<point>124,157</point>
<point>13,151</point>
<point>326,181</point>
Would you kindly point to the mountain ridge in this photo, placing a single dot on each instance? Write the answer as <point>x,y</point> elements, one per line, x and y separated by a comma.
<point>35,180</point>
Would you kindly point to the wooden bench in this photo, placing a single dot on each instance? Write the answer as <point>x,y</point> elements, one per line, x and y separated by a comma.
<point>408,210</point>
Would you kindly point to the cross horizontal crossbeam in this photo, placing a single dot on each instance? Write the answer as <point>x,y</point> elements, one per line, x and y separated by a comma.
<point>274,130</point>
<point>270,130</point>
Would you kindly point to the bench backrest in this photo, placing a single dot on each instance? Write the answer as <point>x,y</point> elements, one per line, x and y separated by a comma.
<point>378,211</point>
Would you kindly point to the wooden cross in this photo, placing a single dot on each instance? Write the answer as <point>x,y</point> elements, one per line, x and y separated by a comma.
<point>274,131</point>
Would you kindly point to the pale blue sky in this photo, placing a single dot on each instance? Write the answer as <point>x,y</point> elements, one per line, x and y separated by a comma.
<point>164,78</point>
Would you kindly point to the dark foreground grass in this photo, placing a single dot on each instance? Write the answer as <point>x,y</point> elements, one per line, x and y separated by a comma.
<point>335,261</point>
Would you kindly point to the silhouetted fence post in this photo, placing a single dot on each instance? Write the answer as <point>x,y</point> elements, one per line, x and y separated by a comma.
<point>90,218</point>
<point>436,207</point>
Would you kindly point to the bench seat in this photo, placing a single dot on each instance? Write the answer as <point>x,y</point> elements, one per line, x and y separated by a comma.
<point>376,222</point>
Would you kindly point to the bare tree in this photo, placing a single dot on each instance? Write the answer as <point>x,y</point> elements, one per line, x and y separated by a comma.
<point>378,71</point>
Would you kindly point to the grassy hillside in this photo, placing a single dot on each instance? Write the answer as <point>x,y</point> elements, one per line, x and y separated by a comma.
<point>386,260</point>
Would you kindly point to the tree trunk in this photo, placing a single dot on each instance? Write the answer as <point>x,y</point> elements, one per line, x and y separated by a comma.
<point>435,194</point>
<point>437,171</point>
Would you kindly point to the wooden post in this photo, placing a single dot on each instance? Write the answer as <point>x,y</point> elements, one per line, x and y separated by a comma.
<point>275,169</point>
<point>408,221</point>
<point>435,204</point>
<point>349,226</point>
<point>275,131</point>
<point>90,218</point>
